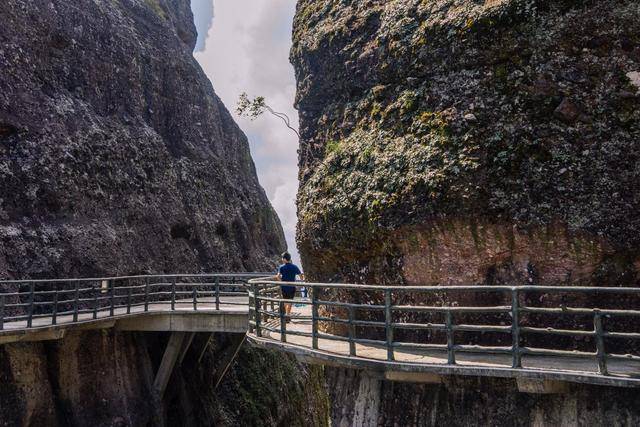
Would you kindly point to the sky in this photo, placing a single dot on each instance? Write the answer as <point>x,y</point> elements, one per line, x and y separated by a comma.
<point>243,46</point>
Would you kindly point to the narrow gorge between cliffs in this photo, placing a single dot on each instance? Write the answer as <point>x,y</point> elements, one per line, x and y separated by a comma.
<point>442,143</point>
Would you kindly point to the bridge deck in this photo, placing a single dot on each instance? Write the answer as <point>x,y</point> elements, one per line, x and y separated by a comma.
<point>622,373</point>
<point>146,305</point>
<point>231,316</point>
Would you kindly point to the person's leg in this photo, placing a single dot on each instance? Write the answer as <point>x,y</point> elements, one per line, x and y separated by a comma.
<point>289,295</point>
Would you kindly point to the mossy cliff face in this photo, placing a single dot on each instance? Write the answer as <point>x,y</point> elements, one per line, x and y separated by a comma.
<point>469,142</point>
<point>117,157</point>
<point>424,121</point>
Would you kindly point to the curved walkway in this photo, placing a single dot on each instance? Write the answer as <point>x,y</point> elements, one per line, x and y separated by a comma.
<point>405,333</point>
<point>365,327</point>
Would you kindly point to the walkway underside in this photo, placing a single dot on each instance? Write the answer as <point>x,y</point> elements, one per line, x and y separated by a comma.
<point>434,363</point>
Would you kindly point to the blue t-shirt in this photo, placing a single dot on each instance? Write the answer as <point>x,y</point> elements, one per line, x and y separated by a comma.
<point>289,272</point>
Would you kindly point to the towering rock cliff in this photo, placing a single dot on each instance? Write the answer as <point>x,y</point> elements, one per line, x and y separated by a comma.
<point>468,142</point>
<point>502,130</point>
<point>117,157</point>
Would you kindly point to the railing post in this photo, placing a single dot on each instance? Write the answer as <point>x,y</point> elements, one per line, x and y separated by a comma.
<point>249,307</point>
<point>283,323</point>
<point>256,307</point>
<point>31,292</point>
<point>112,289</point>
<point>1,312</point>
<point>451,354</point>
<point>352,332</point>
<point>54,315</point>
<point>129,299</point>
<point>217,293</point>
<point>146,294</point>
<point>314,317</point>
<point>95,301</point>
<point>601,355</point>
<point>195,299</point>
<point>173,294</point>
<point>388,327</point>
<point>76,301</point>
<point>516,356</point>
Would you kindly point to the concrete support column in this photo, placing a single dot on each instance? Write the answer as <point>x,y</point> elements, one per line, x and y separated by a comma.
<point>171,354</point>
<point>186,344</point>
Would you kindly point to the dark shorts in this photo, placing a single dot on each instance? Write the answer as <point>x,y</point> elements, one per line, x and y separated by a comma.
<point>288,292</point>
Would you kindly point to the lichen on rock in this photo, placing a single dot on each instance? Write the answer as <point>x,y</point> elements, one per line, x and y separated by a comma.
<point>416,113</point>
<point>468,142</point>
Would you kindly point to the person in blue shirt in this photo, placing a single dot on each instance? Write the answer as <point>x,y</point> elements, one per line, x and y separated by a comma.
<point>287,272</point>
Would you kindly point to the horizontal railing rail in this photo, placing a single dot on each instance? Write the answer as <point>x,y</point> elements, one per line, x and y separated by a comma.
<point>451,321</point>
<point>33,303</point>
<point>598,324</point>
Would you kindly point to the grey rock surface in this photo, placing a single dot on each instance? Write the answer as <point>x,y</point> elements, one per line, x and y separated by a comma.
<point>457,142</point>
<point>116,155</point>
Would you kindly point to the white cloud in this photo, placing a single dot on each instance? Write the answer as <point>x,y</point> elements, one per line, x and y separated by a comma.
<point>247,50</point>
<point>203,15</point>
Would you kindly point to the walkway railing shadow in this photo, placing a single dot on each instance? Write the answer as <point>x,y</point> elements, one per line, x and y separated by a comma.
<point>423,319</point>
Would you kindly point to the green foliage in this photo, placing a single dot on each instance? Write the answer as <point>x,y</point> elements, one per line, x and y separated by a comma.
<point>331,147</point>
<point>157,8</point>
<point>252,108</point>
<point>376,109</point>
<point>409,102</point>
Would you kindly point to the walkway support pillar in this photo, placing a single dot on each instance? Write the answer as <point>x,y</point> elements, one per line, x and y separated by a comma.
<point>171,354</point>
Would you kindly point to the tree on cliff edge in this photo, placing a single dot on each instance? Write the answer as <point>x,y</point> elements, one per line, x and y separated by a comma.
<point>253,108</point>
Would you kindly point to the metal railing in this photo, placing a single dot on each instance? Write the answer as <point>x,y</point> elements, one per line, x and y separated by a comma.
<point>597,323</point>
<point>26,304</point>
<point>601,324</point>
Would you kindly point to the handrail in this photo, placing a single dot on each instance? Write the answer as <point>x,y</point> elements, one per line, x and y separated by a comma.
<point>436,288</point>
<point>147,276</point>
<point>381,318</point>
<point>386,317</point>
<point>40,303</point>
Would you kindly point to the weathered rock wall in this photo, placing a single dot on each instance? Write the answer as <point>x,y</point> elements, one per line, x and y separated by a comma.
<point>433,129</point>
<point>366,401</point>
<point>105,378</point>
<point>117,157</point>
<point>469,142</point>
